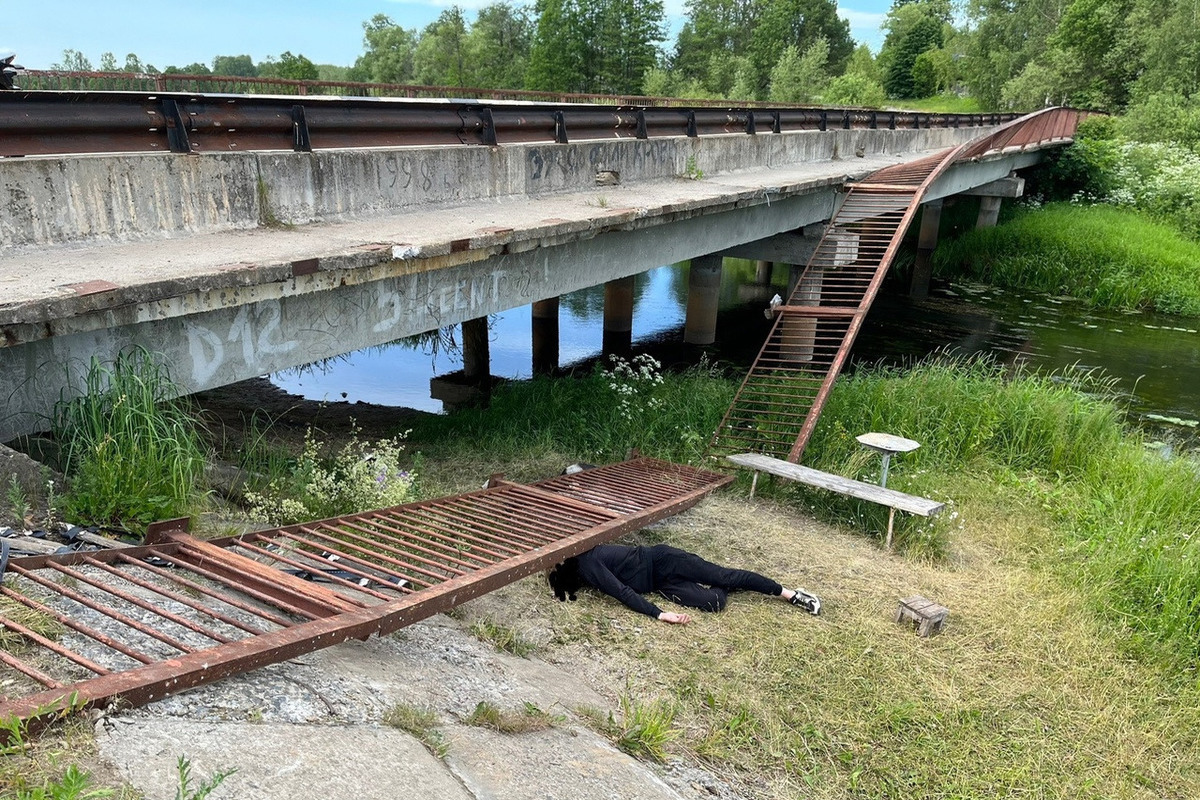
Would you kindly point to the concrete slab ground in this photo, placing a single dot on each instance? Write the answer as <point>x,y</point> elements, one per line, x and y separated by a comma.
<point>313,727</point>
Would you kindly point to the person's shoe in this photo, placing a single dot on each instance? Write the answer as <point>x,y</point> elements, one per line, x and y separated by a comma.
<point>809,602</point>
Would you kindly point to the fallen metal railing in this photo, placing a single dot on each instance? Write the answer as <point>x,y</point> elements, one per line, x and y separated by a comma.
<point>137,623</point>
<point>75,122</point>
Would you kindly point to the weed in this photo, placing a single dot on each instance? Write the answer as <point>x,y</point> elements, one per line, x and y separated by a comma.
<point>691,171</point>
<point>643,729</point>
<point>362,475</point>
<point>134,454</point>
<point>419,722</point>
<point>18,501</point>
<point>184,789</point>
<point>528,719</point>
<point>74,784</point>
<point>502,637</point>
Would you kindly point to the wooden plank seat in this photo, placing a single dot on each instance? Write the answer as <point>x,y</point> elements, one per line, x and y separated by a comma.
<point>912,504</point>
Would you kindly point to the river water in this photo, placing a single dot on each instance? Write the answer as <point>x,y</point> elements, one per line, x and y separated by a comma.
<point>1155,358</point>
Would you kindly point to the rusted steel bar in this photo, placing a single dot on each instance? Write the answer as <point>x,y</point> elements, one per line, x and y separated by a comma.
<point>230,582</point>
<point>432,569</point>
<point>78,627</point>
<point>126,575</point>
<point>31,672</point>
<point>139,602</point>
<point>106,610</point>
<point>193,586</point>
<point>316,571</point>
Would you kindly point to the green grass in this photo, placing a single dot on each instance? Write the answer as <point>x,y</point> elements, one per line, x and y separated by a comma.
<point>133,454</point>
<point>421,723</point>
<point>502,637</point>
<point>528,719</point>
<point>948,103</point>
<point>1125,517</point>
<point>586,417</point>
<point>643,729</point>
<point>1105,256</point>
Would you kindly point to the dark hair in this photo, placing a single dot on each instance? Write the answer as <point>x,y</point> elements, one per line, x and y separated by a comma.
<point>565,580</point>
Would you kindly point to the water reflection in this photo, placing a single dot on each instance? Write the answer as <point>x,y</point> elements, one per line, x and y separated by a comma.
<point>1156,358</point>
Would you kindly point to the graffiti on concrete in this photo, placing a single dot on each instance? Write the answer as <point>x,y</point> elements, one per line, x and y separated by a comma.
<point>256,328</point>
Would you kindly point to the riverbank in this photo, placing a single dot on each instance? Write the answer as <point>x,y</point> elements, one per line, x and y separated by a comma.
<point>1030,689</point>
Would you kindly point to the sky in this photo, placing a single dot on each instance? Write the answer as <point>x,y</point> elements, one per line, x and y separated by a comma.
<point>325,31</point>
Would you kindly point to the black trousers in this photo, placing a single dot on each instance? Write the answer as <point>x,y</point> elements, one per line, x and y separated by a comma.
<point>689,580</point>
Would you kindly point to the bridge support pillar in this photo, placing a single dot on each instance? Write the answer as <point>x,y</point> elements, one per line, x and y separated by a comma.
<point>477,360</point>
<point>989,212</point>
<point>927,239</point>
<point>472,386</point>
<point>545,336</point>
<point>618,316</point>
<point>704,290</point>
<point>762,272</point>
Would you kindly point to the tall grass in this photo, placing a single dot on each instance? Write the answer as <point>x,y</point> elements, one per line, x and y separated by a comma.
<point>596,416</point>
<point>133,453</point>
<point>1130,520</point>
<point>1109,257</point>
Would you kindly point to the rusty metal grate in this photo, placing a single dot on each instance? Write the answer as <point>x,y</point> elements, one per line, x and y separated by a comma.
<point>140,622</point>
<point>779,402</point>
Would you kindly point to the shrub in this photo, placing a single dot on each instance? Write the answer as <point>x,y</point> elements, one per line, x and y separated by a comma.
<point>360,476</point>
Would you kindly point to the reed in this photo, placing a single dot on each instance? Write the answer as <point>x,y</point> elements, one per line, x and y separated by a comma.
<point>133,453</point>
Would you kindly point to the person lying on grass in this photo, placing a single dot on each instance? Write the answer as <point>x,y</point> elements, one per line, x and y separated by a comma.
<point>627,573</point>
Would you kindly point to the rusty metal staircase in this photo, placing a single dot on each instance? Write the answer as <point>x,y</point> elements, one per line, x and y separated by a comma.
<point>778,404</point>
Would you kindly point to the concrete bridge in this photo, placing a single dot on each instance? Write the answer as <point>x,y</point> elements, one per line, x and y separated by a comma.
<point>237,264</point>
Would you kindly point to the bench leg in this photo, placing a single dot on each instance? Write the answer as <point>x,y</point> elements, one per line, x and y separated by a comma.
<point>753,484</point>
<point>891,520</point>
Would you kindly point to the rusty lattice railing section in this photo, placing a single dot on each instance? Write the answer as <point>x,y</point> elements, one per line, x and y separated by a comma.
<point>780,400</point>
<point>141,622</point>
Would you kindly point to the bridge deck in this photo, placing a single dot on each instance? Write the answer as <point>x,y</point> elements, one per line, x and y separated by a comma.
<point>141,622</point>
<point>42,283</point>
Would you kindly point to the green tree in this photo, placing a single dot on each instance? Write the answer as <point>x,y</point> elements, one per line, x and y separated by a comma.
<point>933,72</point>
<point>715,35</point>
<point>296,67</point>
<point>1006,35</point>
<point>440,58</point>
<point>924,35</point>
<point>498,46</point>
<point>234,66</point>
<point>73,61</point>
<point>799,24</point>
<point>108,63</point>
<point>388,52</point>
<point>594,45</point>
<point>854,89</point>
<point>800,78</point>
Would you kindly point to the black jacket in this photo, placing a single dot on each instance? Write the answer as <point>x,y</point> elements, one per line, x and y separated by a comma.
<point>621,572</point>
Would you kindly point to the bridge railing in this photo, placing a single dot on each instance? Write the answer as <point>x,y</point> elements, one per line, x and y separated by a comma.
<point>62,122</point>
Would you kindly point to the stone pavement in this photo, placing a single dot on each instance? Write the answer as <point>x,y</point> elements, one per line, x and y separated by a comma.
<point>311,728</point>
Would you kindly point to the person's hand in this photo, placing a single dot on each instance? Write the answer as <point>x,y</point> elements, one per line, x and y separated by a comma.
<point>675,619</point>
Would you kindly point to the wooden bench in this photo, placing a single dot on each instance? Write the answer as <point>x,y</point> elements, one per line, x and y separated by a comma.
<point>912,504</point>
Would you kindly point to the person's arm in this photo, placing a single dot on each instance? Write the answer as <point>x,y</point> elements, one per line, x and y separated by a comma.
<point>601,577</point>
